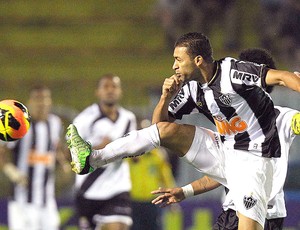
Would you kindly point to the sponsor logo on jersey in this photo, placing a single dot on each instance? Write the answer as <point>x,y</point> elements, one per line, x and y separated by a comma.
<point>177,100</point>
<point>44,158</point>
<point>249,202</point>
<point>199,103</point>
<point>225,99</point>
<point>244,76</point>
<point>234,126</point>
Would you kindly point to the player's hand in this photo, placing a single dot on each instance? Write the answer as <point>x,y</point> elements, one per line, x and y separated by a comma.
<point>168,196</point>
<point>171,86</point>
<point>15,175</point>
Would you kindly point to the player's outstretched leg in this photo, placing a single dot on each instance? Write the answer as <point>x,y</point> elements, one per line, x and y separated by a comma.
<point>296,124</point>
<point>80,151</point>
<point>135,143</point>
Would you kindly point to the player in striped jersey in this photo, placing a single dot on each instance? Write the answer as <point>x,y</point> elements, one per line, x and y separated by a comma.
<point>276,207</point>
<point>228,218</point>
<point>102,197</point>
<point>33,205</point>
<point>231,94</point>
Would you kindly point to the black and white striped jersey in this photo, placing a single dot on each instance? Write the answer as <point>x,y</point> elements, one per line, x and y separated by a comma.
<point>236,101</point>
<point>35,155</point>
<point>113,179</point>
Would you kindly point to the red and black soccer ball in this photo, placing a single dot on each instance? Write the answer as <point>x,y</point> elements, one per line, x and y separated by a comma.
<point>14,120</point>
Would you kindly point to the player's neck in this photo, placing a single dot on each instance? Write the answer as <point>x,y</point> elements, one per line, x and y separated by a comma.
<point>111,111</point>
<point>209,72</point>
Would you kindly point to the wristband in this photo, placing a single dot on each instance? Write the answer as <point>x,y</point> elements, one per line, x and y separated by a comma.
<point>188,190</point>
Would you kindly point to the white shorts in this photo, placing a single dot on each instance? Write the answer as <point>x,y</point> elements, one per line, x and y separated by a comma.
<point>30,216</point>
<point>206,154</point>
<point>249,177</point>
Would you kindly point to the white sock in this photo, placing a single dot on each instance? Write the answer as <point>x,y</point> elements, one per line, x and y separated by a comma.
<point>134,143</point>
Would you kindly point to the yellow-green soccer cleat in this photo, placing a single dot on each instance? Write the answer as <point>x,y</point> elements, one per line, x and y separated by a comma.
<point>80,151</point>
<point>296,124</point>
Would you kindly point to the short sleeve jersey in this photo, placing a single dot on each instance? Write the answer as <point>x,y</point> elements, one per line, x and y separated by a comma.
<point>93,125</point>
<point>35,155</point>
<point>236,102</point>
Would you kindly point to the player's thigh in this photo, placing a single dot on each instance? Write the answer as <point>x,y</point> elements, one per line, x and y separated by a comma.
<point>177,137</point>
<point>245,223</point>
<point>113,226</point>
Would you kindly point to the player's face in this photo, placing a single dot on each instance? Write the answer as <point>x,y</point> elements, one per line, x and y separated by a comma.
<point>40,102</point>
<point>109,91</point>
<point>184,66</point>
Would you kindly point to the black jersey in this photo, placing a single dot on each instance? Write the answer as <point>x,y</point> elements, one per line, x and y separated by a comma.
<point>236,101</point>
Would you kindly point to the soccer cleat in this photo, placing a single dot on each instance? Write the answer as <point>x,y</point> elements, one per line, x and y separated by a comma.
<point>296,124</point>
<point>80,151</point>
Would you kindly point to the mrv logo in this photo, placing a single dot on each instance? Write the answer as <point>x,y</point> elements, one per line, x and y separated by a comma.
<point>244,76</point>
<point>177,100</point>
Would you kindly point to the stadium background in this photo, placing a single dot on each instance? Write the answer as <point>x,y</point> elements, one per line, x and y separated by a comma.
<point>69,44</point>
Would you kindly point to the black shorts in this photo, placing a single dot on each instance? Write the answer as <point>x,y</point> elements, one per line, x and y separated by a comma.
<point>118,205</point>
<point>274,224</point>
<point>228,220</point>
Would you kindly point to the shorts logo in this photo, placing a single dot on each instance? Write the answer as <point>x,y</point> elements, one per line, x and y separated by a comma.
<point>225,99</point>
<point>249,202</point>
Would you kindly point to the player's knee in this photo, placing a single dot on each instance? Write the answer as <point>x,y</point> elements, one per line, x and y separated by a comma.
<point>167,129</point>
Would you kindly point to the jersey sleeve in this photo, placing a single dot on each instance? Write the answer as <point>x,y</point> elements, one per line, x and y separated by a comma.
<point>184,102</point>
<point>249,74</point>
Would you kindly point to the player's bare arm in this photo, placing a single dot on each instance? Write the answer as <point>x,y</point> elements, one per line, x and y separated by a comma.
<point>168,196</point>
<point>175,195</point>
<point>170,88</point>
<point>283,78</point>
<point>204,184</point>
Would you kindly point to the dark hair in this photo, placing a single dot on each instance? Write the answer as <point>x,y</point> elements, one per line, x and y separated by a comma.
<point>39,87</point>
<point>107,76</point>
<point>259,56</point>
<point>196,44</point>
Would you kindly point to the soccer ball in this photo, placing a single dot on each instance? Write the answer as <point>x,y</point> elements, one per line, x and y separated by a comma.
<point>14,120</point>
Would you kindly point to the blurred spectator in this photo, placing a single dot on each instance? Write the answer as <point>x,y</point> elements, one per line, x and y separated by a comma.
<point>102,197</point>
<point>181,16</point>
<point>270,16</point>
<point>32,170</point>
<point>174,19</point>
<point>290,33</point>
<point>147,174</point>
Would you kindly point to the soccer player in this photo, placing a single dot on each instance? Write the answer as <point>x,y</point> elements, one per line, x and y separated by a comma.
<point>276,206</point>
<point>32,170</point>
<point>102,197</point>
<point>231,94</point>
<point>228,218</point>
